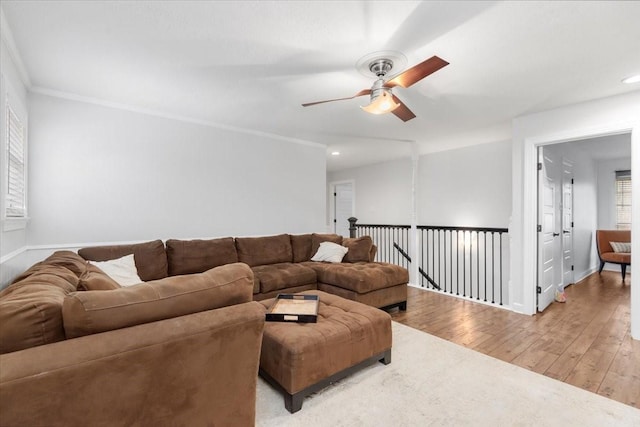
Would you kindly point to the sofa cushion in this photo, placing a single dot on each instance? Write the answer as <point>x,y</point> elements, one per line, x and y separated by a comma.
<point>67,259</point>
<point>150,257</point>
<point>264,250</point>
<point>90,312</point>
<point>31,310</point>
<point>330,252</point>
<point>94,279</point>
<point>316,239</point>
<point>122,270</point>
<point>360,277</point>
<point>47,275</point>
<point>282,276</point>
<point>301,246</point>
<point>196,256</point>
<point>359,249</point>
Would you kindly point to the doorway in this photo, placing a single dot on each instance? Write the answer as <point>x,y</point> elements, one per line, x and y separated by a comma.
<point>342,206</point>
<point>587,164</point>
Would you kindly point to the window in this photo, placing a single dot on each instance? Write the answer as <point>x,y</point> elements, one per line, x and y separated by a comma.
<point>15,201</point>
<point>623,200</point>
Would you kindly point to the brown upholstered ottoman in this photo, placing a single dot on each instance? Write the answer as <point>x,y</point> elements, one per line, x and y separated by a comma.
<point>302,358</point>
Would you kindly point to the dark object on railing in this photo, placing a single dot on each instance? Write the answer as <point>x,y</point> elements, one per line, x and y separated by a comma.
<point>466,261</point>
<point>429,279</point>
<point>402,252</point>
<point>352,226</point>
<point>408,258</point>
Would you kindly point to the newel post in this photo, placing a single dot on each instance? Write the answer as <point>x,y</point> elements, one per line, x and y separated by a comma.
<point>352,226</point>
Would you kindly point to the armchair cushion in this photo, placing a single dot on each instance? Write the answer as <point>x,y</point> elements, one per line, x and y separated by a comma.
<point>624,247</point>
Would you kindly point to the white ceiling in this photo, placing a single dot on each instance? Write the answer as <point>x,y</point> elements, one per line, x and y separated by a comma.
<point>605,147</point>
<point>251,64</point>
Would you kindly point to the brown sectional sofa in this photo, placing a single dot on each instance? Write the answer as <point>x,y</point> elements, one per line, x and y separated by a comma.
<point>282,263</point>
<point>182,348</point>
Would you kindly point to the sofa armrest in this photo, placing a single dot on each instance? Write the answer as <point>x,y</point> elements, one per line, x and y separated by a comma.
<point>199,369</point>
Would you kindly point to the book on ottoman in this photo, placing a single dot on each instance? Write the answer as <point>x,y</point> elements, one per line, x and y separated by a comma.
<point>294,308</point>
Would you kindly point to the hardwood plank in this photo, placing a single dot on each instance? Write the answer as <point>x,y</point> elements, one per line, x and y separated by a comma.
<point>591,369</point>
<point>623,388</point>
<point>585,341</point>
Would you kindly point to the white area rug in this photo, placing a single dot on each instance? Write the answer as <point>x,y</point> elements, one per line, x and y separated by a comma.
<point>432,382</point>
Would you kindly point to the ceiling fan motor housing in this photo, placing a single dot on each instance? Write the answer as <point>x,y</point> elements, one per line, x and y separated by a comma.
<point>378,88</point>
<point>381,67</point>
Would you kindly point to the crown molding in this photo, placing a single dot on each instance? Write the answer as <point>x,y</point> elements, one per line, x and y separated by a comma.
<point>157,113</point>
<point>9,42</point>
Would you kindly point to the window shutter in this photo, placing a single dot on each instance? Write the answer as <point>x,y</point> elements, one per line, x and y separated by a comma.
<point>623,200</point>
<point>15,200</point>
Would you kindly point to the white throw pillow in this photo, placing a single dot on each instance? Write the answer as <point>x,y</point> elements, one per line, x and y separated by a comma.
<point>122,270</point>
<point>624,247</point>
<point>330,252</point>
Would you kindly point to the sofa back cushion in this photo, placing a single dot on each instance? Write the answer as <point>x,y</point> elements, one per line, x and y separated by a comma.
<point>94,279</point>
<point>316,239</point>
<point>66,259</point>
<point>31,309</point>
<point>264,250</point>
<point>301,246</point>
<point>150,257</point>
<point>359,249</point>
<point>196,256</point>
<point>90,312</point>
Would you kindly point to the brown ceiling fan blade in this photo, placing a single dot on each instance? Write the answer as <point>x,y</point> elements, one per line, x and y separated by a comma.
<point>417,72</point>
<point>402,111</point>
<point>361,93</point>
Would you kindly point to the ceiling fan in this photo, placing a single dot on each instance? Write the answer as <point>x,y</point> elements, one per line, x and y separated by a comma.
<point>382,98</point>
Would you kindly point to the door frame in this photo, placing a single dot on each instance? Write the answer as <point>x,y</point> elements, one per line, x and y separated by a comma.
<point>545,160</point>
<point>566,162</point>
<point>530,205</point>
<point>332,202</point>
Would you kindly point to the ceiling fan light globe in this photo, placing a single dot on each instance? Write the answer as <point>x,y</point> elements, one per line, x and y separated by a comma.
<point>382,104</point>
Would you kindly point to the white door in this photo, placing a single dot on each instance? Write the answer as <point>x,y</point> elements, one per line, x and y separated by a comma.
<point>567,222</point>
<point>549,249</point>
<point>342,207</point>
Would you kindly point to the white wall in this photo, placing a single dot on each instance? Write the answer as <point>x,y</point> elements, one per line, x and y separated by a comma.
<point>12,240</point>
<point>382,191</point>
<point>607,190</point>
<point>101,174</point>
<point>469,186</point>
<point>594,118</point>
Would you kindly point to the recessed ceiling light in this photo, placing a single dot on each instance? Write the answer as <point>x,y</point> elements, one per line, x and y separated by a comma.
<point>632,79</point>
<point>335,153</point>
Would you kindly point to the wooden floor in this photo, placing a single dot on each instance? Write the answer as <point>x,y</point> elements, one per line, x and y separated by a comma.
<point>584,342</point>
